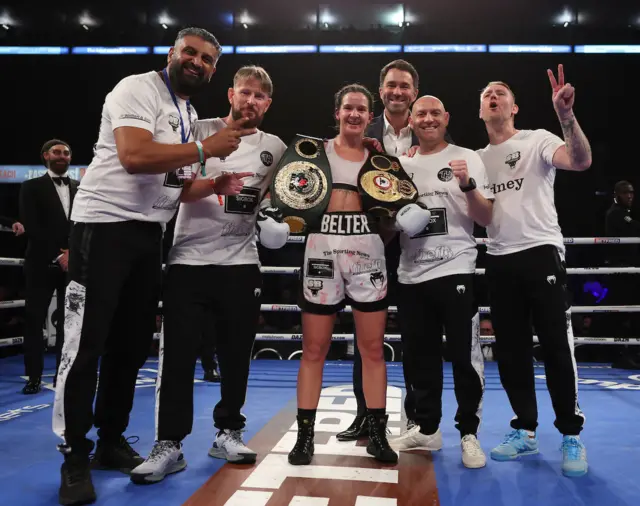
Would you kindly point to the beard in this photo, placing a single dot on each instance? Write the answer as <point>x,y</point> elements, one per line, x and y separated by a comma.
<point>58,167</point>
<point>253,122</point>
<point>183,83</point>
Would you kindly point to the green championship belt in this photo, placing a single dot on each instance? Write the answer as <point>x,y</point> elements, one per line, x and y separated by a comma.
<point>301,186</point>
<point>384,186</point>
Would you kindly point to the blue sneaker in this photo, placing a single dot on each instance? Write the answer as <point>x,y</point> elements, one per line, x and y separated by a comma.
<point>574,457</point>
<point>515,444</point>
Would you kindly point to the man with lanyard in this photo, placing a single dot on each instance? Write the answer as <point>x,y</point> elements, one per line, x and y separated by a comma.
<point>436,273</point>
<point>130,191</point>
<point>526,272</point>
<point>215,246</point>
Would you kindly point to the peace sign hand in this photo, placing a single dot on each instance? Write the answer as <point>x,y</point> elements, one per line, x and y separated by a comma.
<point>563,94</point>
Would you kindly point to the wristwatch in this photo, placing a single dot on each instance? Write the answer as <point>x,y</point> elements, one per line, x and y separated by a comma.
<point>470,186</point>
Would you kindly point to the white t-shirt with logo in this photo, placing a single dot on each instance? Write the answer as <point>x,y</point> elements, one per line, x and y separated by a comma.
<point>107,192</point>
<point>521,176</point>
<point>446,246</point>
<point>208,233</point>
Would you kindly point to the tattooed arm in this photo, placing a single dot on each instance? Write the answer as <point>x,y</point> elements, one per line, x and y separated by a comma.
<point>576,153</point>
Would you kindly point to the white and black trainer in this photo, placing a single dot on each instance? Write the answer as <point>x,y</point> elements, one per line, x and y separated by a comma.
<point>228,445</point>
<point>165,458</point>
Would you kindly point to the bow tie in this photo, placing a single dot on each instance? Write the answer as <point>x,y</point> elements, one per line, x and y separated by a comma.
<point>61,180</point>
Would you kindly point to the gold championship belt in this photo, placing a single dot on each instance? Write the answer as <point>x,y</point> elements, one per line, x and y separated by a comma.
<point>301,186</point>
<point>384,186</point>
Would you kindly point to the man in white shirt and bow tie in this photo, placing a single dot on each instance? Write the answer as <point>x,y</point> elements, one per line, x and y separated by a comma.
<point>45,208</point>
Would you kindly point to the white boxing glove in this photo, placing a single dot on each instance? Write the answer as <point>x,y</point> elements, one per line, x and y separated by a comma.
<point>413,218</point>
<point>272,233</point>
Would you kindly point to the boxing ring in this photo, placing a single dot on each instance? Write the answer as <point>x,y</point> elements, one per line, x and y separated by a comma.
<point>584,241</point>
<point>342,474</point>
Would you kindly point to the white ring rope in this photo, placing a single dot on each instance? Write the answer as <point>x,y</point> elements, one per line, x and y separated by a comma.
<point>293,308</point>
<point>12,341</point>
<point>392,309</point>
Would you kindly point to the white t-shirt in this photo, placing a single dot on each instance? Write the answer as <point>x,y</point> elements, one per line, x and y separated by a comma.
<point>521,176</point>
<point>107,192</point>
<point>208,233</point>
<point>447,245</point>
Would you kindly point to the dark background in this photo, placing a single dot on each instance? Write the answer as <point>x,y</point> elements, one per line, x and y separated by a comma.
<point>62,96</point>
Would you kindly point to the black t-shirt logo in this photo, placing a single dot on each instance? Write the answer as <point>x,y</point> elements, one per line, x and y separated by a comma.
<point>512,159</point>
<point>266,158</point>
<point>445,174</point>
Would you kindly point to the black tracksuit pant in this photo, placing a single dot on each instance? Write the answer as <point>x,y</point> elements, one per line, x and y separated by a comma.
<point>192,296</point>
<point>358,390</point>
<point>423,310</point>
<point>528,289</point>
<point>115,274</point>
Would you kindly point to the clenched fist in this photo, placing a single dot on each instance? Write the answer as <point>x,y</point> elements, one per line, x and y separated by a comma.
<point>460,171</point>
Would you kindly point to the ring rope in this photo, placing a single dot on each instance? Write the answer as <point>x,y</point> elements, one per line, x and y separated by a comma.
<point>293,308</point>
<point>12,341</point>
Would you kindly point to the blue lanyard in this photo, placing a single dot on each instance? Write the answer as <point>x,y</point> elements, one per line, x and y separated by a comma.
<point>185,138</point>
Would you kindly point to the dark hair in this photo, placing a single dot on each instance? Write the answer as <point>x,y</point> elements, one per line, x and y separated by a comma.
<point>353,88</point>
<point>48,145</point>
<point>402,65</point>
<point>621,186</point>
<point>199,32</point>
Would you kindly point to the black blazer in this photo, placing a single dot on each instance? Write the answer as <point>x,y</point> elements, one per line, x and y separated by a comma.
<point>376,130</point>
<point>45,223</point>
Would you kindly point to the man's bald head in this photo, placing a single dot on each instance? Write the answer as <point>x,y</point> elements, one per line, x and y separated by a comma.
<point>429,101</point>
<point>429,119</point>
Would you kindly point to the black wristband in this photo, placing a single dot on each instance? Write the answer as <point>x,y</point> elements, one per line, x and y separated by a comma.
<point>471,186</point>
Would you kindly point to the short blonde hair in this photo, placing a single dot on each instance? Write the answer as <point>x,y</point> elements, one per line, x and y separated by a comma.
<point>255,72</point>
<point>500,83</point>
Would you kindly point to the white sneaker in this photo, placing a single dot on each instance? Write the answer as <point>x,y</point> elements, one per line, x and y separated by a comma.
<point>472,455</point>
<point>165,458</point>
<point>229,446</point>
<point>413,439</point>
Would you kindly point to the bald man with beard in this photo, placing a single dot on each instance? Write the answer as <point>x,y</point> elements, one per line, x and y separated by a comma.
<point>435,275</point>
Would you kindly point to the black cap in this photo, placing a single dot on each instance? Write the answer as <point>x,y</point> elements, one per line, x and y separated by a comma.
<point>48,145</point>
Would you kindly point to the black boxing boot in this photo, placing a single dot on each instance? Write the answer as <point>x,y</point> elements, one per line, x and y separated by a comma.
<point>378,444</point>
<point>357,430</point>
<point>302,452</point>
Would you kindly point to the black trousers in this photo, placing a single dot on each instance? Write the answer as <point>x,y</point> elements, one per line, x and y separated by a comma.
<point>231,294</point>
<point>424,309</point>
<point>40,283</point>
<point>358,390</point>
<point>528,289</point>
<point>115,274</point>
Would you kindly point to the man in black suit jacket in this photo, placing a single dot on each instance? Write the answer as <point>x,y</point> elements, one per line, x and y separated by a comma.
<point>399,83</point>
<point>45,208</point>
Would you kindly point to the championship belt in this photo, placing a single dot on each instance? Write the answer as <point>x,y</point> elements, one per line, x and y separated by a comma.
<point>384,186</point>
<point>301,186</point>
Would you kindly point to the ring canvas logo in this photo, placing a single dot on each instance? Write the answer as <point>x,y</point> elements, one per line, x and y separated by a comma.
<point>340,472</point>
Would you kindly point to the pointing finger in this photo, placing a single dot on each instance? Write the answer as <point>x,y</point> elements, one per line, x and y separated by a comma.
<point>241,175</point>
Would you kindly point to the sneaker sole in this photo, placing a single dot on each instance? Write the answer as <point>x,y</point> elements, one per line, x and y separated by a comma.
<point>241,458</point>
<point>148,479</point>
<point>427,448</point>
<point>470,465</point>
<point>575,474</point>
<point>504,458</point>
